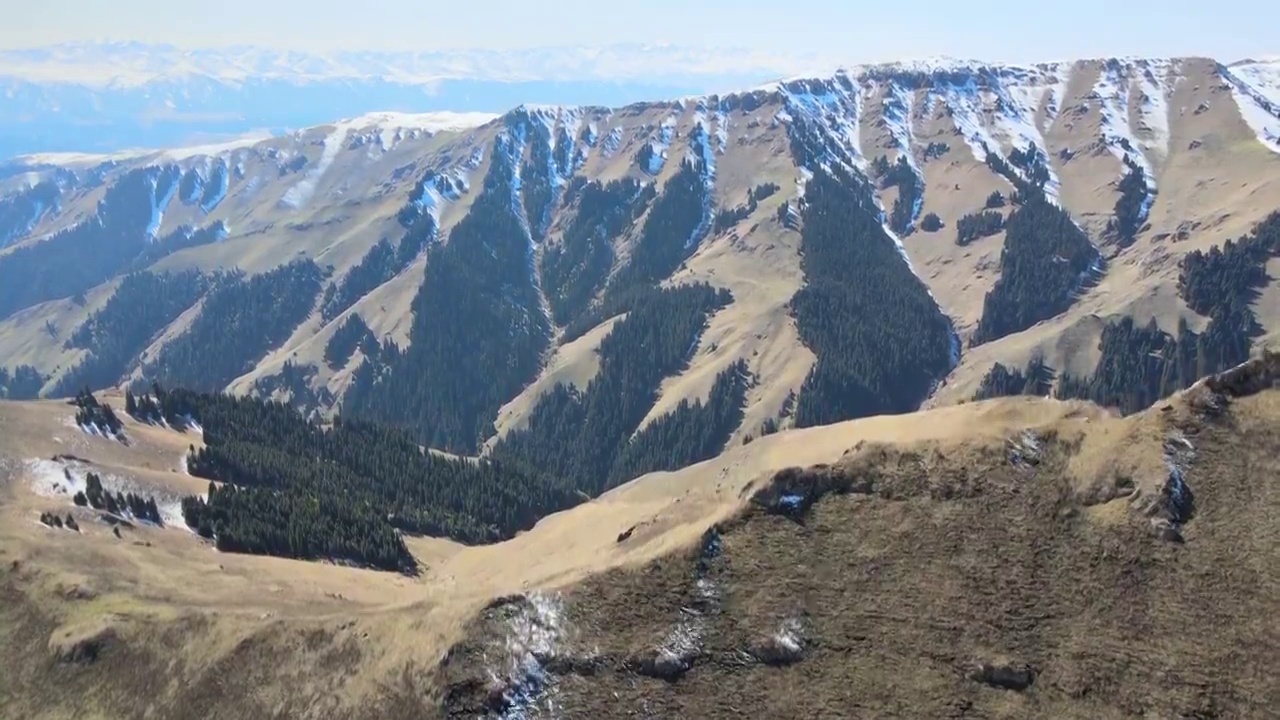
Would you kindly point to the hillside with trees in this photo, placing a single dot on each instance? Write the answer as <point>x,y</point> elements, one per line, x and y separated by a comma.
<point>575,268</point>
<point>478,330</point>
<point>1143,364</point>
<point>880,339</point>
<point>241,320</point>
<point>143,305</point>
<point>353,333</point>
<point>290,487</point>
<point>1035,379</point>
<point>581,434</point>
<point>85,255</point>
<point>669,236</point>
<point>1047,260</point>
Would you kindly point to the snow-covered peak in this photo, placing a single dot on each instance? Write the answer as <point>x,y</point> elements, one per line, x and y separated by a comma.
<point>432,122</point>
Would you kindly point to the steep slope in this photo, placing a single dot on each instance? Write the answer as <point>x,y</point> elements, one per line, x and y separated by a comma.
<point>1149,158</point>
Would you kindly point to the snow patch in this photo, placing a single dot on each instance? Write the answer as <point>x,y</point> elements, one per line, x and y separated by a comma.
<point>220,192</point>
<point>612,142</point>
<point>160,199</point>
<point>1154,83</point>
<point>1256,89</point>
<point>895,108</point>
<point>533,635</point>
<point>1112,92</point>
<point>62,479</point>
<point>300,194</point>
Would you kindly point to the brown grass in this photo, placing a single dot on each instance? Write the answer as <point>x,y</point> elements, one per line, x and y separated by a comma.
<point>935,569</point>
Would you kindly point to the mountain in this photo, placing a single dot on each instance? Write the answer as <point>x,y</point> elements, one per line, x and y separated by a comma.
<point>912,390</point>
<point>151,96</point>
<point>884,238</point>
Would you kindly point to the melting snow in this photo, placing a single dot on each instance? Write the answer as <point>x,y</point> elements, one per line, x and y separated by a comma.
<point>300,194</point>
<point>1112,93</point>
<point>223,184</point>
<point>612,142</point>
<point>896,107</point>
<point>160,198</point>
<point>55,479</point>
<point>1256,88</point>
<point>1153,80</point>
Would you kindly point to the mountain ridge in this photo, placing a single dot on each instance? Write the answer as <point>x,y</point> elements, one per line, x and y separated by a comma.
<point>1083,120</point>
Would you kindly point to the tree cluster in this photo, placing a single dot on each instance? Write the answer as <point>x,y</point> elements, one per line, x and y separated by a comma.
<point>1131,206</point>
<point>478,331</point>
<point>296,382</point>
<point>880,339</point>
<point>1046,261</point>
<point>182,238</point>
<point>1141,365</point>
<point>728,217</point>
<point>669,236</point>
<point>382,262</point>
<point>975,226</point>
<point>53,520</point>
<point>538,181</point>
<point>143,305</point>
<point>931,223</point>
<point>241,320</point>
<point>24,383</point>
<point>353,333</point>
<point>290,487</point>
<point>580,435</point>
<point>92,414</point>
<point>690,433</point>
<point>574,270</point>
<point>1035,379</point>
<point>137,506</point>
<point>910,191</point>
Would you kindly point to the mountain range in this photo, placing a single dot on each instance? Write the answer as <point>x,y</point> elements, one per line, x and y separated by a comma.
<point>1140,163</point>
<point>926,389</point>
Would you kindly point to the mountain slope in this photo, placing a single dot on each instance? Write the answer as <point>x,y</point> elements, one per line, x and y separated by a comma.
<point>1179,148</point>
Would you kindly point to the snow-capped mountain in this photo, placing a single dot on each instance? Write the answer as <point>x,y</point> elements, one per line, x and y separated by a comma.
<point>1145,160</point>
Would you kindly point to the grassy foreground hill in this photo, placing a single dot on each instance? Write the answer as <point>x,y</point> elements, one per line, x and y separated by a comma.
<point>1012,558</point>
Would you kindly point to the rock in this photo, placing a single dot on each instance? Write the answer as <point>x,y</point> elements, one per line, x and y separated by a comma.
<point>661,664</point>
<point>777,650</point>
<point>1009,676</point>
<point>626,534</point>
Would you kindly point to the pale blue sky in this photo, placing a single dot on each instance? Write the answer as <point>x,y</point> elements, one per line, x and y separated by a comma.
<point>849,30</point>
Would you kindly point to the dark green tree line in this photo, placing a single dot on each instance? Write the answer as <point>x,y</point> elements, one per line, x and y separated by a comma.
<point>478,330</point>
<point>115,336</point>
<point>241,320</point>
<point>880,339</point>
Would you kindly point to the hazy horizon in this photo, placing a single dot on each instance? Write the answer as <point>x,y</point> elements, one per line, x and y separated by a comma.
<point>820,30</point>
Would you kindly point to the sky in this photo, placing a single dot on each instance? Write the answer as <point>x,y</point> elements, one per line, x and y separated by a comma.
<point>848,31</point>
